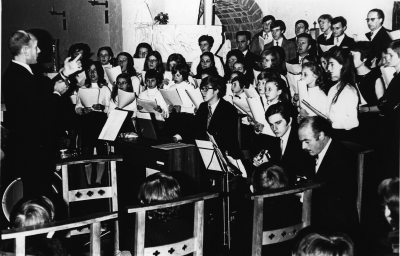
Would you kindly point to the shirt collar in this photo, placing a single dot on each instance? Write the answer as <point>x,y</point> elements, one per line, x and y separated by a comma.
<point>285,136</point>
<point>321,154</point>
<point>213,106</point>
<point>245,52</point>
<point>340,39</point>
<point>328,36</point>
<point>279,41</point>
<point>24,65</point>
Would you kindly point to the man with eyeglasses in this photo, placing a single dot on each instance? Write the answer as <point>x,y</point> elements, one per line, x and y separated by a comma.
<point>217,117</point>
<point>378,35</point>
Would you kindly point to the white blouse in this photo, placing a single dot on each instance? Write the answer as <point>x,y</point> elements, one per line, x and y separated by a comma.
<point>318,99</point>
<point>103,98</point>
<point>155,94</point>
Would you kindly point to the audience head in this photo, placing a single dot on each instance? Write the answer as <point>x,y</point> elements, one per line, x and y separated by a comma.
<point>125,60</point>
<point>266,22</point>
<point>24,45</point>
<point>263,78</point>
<point>389,192</point>
<point>362,53</point>
<point>239,82</point>
<point>206,43</point>
<point>270,59</point>
<point>175,59</point>
<point>239,67</point>
<point>375,19</point>
<point>324,22</point>
<point>339,26</point>
<point>300,27</point>
<point>277,90</point>
<point>243,40</point>
<point>232,57</point>
<point>278,28</point>
<point>312,74</point>
<point>142,50</point>
<point>309,58</point>
<point>314,133</point>
<point>212,87</point>
<point>105,55</point>
<point>303,43</point>
<point>95,74</point>
<point>319,245</point>
<point>36,211</point>
<point>154,61</point>
<point>180,73</point>
<point>268,176</point>
<point>393,55</point>
<point>152,79</point>
<point>279,118</point>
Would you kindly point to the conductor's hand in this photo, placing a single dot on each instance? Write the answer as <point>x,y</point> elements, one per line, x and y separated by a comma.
<point>60,86</point>
<point>98,107</point>
<point>71,67</point>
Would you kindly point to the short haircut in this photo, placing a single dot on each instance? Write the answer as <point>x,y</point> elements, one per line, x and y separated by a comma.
<point>105,48</point>
<point>340,19</point>
<point>267,18</point>
<point>316,244</point>
<point>279,108</point>
<point>389,192</point>
<point>19,39</point>
<point>305,35</point>
<point>269,176</point>
<point>36,211</point>
<point>183,70</point>
<point>242,79</point>
<point>217,83</point>
<point>247,34</point>
<point>318,124</point>
<point>380,13</point>
<point>278,23</point>
<point>209,39</point>
<point>395,46</point>
<point>302,21</point>
<point>142,45</point>
<point>152,73</point>
<point>325,17</point>
<point>365,49</point>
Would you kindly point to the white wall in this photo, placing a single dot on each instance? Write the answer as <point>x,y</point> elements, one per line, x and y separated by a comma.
<point>354,11</point>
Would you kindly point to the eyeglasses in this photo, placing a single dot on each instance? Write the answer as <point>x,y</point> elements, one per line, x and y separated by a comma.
<point>205,89</point>
<point>372,19</point>
<point>153,60</point>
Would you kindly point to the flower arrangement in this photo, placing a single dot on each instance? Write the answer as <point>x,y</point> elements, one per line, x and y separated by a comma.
<point>161,18</point>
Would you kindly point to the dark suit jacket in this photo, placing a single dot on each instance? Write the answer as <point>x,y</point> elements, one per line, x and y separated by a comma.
<point>313,49</point>
<point>255,46</point>
<point>251,61</point>
<point>347,41</point>
<point>223,126</point>
<point>321,40</point>
<point>289,47</point>
<point>334,206</point>
<point>380,40</point>
<point>295,60</point>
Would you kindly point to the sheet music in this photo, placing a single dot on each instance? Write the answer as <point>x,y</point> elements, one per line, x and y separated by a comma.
<point>325,48</point>
<point>314,109</point>
<point>292,81</point>
<point>303,92</point>
<point>171,97</point>
<point>360,37</point>
<point>81,77</point>
<point>256,73</point>
<point>294,69</point>
<point>394,35</point>
<point>168,75</point>
<point>242,105</point>
<point>251,92</point>
<point>387,74</point>
<point>138,64</point>
<point>114,122</point>
<point>89,96</point>
<point>112,73</point>
<point>125,98</point>
<point>208,155</point>
<point>147,105</point>
<point>195,96</point>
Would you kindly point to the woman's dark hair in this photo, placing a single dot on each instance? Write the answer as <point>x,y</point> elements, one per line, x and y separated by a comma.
<point>315,244</point>
<point>142,45</point>
<point>281,85</point>
<point>100,74</point>
<point>183,70</point>
<point>178,58</point>
<point>239,56</point>
<point>310,58</point>
<point>200,69</point>
<point>159,67</point>
<point>129,65</point>
<point>128,79</point>
<point>216,82</point>
<point>242,79</point>
<point>85,55</point>
<point>268,74</point>
<point>160,187</point>
<point>268,176</point>
<point>347,76</point>
<point>106,48</point>
<point>366,50</point>
<point>317,70</point>
<point>389,192</point>
<point>282,58</point>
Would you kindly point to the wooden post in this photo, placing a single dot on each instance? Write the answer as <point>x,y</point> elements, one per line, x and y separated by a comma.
<point>95,230</point>
<point>198,230</point>
<point>208,12</point>
<point>140,232</point>
<point>20,246</point>
<point>258,219</point>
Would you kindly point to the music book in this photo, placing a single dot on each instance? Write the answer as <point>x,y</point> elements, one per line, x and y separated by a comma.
<point>325,48</point>
<point>292,81</point>
<point>360,37</point>
<point>138,64</point>
<point>147,105</point>
<point>125,98</point>
<point>302,91</point>
<point>171,97</point>
<point>114,122</point>
<point>394,35</point>
<point>251,92</point>
<point>89,96</point>
<point>308,105</point>
<point>112,73</point>
<point>294,69</point>
<point>195,96</point>
<point>259,115</point>
<point>387,74</point>
<point>263,42</point>
<point>242,105</point>
<point>168,75</point>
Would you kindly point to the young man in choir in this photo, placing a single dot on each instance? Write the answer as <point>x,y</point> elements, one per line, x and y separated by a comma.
<point>206,43</point>
<point>105,55</point>
<point>326,37</point>
<point>285,149</point>
<point>300,27</point>
<point>278,28</point>
<point>217,117</point>
<point>334,205</point>
<point>264,36</point>
<point>251,59</point>
<point>339,26</point>
<point>303,48</point>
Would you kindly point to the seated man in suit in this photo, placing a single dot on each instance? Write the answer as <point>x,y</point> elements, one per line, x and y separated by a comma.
<point>339,26</point>
<point>206,43</point>
<point>334,206</point>
<point>278,28</point>
<point>378,35</point>
<point>251,59</point>
<point>303,48</point>
<point>217,117</point>
<point>326,38</point>
<point>300,27</point>
<point>286,149</point>
<point>264,36</point>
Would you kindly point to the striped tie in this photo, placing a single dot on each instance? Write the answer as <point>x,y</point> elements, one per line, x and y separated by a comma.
<point>209,116</point>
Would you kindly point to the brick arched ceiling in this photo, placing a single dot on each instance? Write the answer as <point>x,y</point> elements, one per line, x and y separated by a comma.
<point>236,15</point>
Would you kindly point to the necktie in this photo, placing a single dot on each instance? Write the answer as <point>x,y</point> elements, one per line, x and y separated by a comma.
<point>281,148</point>
<point>337,41</point>
<point>316,160</point>
<point>209,116</point>
<point>277,44</point>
